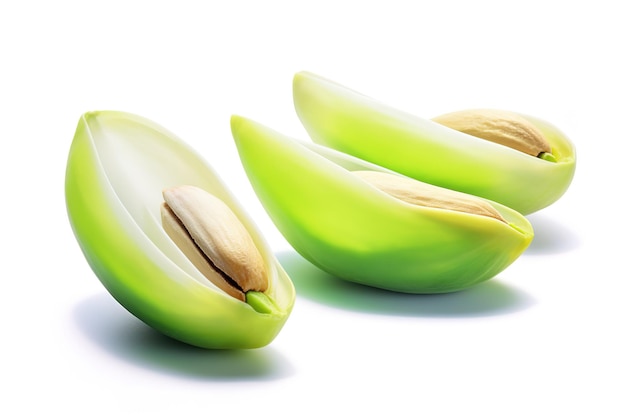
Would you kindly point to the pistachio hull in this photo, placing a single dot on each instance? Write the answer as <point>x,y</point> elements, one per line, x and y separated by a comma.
<point>350,122</point>
<point>117,167</point>
<point>358,233</point>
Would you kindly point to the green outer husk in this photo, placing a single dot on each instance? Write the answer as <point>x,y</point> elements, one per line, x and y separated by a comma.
<point>350,122</point>
<point>356,232</point>
<point>117,166</point>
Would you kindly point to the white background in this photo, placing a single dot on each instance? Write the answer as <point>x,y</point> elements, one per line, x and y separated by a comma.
<point>544,338</point>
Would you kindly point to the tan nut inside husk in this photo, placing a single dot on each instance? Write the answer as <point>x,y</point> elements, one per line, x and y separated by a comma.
<point>426,195</point>
<point>215,241</point>
<point>499,126</point>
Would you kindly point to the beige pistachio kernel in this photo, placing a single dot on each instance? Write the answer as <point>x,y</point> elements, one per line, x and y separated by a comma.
<point>426,195</point>
<point>214,239</point>
<point>499,126</point>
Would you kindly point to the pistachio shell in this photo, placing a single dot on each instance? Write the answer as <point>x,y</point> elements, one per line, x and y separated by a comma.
<point>350,122</point>
<point>118,166</point>
<point>357,232</point>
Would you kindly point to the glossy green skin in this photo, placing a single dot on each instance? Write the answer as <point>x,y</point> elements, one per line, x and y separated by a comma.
<point>117,167</point>
<point>350,122</point>
<point>356,232</point>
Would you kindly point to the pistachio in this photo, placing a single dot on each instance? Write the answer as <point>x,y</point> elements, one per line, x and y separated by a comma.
<point>426,195</point>
<point>354,231</point>
<point>499,126</point>
<point>117,168</point>
<point>214,240</point>
<point>343,119</point>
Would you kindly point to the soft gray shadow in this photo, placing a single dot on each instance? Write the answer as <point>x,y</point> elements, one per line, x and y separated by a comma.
<point>487,299</point>
<point>108,325</point>
<point>550,236</point>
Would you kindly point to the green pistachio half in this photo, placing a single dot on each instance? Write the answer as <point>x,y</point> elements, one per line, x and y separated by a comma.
<point>118,167</point>
<point>475,151</point>
<point>362,228</point>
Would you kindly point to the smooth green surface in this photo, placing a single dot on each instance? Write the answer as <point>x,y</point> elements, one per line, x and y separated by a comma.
<point>350,122</point>
<point>117,167</point>
<point>356,232</point>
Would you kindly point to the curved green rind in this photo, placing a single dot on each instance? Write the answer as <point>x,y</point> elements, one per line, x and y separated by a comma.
<point>117,166</point>
<point>356,232</point>
<point>350,122</point>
